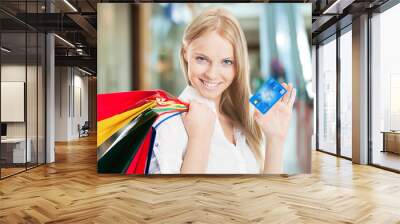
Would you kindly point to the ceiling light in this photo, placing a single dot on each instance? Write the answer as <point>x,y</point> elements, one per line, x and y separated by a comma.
<point>65,41</point>
<point>70,5</point>
<point>5,50</point>
<point>329,9</point>
<point>84,71</point>
<point>338,6</point>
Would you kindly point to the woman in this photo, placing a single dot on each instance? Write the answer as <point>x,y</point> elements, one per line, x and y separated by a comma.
<point>220,133</point>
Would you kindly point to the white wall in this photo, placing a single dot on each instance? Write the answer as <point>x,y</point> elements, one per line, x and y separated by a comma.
<point>33,126</point>
<point>80,83</point>
<point>17,73</point>
<point>70,83</point>
<point>61,103</point>
<point>14,73</point>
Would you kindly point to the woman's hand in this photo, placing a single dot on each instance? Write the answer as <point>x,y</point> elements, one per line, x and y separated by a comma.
<point>275,123</point>
<point>199,123</point>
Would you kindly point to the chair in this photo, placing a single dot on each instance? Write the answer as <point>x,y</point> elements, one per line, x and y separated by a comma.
<point>84,130</point>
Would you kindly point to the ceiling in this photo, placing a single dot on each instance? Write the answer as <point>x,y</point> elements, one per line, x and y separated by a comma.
<point>72,20</point>
<point>76,22</point>
<point>330,15</point>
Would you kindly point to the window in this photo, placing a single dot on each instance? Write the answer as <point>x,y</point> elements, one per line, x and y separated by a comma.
<point>327,96</point>
<point>22,76</point>
<point>346,94</point>
<point>385,89</point>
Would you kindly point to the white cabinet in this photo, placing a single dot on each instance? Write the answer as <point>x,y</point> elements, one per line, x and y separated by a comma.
<point>18,149</point>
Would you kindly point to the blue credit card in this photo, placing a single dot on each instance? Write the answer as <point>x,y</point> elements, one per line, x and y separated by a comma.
<point>267,95</point>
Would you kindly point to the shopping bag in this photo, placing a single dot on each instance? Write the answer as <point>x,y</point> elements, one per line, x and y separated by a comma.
<point>126,134</point>
<point>117,157</point>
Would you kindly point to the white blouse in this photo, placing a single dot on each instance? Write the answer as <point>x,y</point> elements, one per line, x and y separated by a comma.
<point>224,157</point>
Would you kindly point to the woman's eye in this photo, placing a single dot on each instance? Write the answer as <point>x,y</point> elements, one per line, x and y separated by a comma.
<point>228,62</point>
<point>201,59</point>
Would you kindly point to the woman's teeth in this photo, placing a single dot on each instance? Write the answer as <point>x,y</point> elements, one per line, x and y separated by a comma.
<point>210,85</point>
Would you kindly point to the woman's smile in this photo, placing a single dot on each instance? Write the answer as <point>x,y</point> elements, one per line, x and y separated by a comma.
<point>209,85</point>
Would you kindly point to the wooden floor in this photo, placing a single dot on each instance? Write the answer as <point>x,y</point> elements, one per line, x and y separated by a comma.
<point>10,171</point>
<point>70,191</point>
<point>388,159</point>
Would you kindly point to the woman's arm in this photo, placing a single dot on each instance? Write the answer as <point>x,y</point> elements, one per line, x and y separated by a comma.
<point>275,124</point>
<point>196,157</point>
<point>199,124</point>
<point>273,162</point>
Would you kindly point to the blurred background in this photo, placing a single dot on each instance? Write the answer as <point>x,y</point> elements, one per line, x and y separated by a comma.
<point>138,48</point>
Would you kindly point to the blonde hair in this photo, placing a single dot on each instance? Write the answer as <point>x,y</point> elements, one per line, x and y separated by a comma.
<point>234,100</point>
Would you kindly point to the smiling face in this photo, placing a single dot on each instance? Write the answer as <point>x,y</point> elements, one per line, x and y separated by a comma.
<point>211,64</point>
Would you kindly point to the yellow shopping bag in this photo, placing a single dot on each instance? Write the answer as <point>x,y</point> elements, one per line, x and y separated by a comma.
<point>107,127</point>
